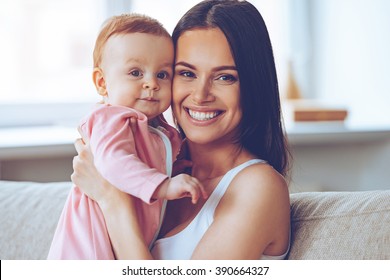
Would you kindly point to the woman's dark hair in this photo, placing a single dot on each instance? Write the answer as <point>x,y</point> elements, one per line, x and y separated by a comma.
<point>260,130</point>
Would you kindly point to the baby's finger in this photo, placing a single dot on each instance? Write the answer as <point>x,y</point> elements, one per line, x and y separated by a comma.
<point>194,195</point>
<point>197,191</point>
<point>200,186</point>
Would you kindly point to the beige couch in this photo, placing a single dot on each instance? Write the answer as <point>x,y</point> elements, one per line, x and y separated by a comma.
<point>325,225</point>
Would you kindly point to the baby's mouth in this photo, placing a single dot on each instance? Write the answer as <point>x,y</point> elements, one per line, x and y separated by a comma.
<point>149,99</point>
<point>201,115</point>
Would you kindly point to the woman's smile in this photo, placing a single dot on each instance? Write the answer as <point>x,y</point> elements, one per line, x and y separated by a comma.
<point>201,115</point>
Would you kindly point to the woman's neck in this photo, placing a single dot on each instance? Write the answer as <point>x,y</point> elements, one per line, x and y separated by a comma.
<point>214,160</point>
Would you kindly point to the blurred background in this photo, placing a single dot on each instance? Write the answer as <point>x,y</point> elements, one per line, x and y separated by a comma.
<point>332,56</point>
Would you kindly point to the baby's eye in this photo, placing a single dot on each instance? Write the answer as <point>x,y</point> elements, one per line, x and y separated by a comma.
<point>163,75</point>
<point>135,73</point>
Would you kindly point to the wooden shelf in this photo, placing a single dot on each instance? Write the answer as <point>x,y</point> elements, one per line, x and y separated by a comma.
<point>310,110</point>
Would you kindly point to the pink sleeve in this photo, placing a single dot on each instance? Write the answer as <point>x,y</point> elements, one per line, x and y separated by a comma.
<point>115,156</point>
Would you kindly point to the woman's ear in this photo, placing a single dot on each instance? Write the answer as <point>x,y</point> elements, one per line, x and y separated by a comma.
<point>99,81</point>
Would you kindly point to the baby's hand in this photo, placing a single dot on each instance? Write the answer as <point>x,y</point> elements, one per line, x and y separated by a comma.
<point>181,186</point>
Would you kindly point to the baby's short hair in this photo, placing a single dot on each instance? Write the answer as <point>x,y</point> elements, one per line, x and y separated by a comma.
<point>126,24</point>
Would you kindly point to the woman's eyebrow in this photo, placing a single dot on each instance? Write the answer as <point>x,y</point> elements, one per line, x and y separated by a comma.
<point>185,64</point>
<point>225,67</point>
<point>218,68</point>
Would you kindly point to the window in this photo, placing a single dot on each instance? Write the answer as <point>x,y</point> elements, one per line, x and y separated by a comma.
<point>46,55</point>
<point>350,60</point>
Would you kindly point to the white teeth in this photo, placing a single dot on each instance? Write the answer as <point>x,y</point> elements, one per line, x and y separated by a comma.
<point>202,116</point>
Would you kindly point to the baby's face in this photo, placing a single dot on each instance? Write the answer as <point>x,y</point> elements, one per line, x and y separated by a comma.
<point>137,69</point>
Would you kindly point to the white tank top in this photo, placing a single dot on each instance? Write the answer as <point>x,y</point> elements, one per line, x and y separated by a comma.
<point>181,245</point>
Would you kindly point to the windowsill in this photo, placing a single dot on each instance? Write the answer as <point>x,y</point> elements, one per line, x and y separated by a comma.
<point>54,141</point>
<point>37,142</point>
<point>330,133</point>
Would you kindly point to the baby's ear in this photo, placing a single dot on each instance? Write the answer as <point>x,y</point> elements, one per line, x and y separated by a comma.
<point>99,81</point>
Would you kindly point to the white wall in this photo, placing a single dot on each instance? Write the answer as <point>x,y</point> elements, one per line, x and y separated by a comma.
<point>351,56</point>
<point>345,166</point>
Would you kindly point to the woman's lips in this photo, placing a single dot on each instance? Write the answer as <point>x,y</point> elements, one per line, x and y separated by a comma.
<point>202,115</point>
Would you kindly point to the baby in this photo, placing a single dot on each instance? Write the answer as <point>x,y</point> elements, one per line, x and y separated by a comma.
<point>133,61</point>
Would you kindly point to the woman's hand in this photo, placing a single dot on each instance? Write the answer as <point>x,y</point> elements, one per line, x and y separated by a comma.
<point>85,175</point>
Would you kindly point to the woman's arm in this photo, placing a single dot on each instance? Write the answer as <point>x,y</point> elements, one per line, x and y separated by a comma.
<point>117,207</point>
<point>123,227</point>
<point>252,218</point>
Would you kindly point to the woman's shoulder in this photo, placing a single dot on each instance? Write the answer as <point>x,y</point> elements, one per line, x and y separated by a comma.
<point>260,187</point>
<point>261,175</point>
<point>258,200</point>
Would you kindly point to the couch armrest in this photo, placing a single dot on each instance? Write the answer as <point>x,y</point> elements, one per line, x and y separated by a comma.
<point>29,217</point>
<point>340,225</point>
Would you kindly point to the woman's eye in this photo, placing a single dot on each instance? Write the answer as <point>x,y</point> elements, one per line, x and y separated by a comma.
<point>227,78</point>
<point>163,75</point>
<point>187,74</point>
<point>135,73</point>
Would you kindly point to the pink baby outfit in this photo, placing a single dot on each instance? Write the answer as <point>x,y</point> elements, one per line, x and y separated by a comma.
<point>134,163</point>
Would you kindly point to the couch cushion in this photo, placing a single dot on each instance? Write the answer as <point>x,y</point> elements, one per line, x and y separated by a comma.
<point>29,216</point>
<point>325,225</point>
<point>340,225</point>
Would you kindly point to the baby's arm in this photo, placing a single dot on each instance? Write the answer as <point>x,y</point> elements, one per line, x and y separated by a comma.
<point>112,143</point>
<point>180,186</point>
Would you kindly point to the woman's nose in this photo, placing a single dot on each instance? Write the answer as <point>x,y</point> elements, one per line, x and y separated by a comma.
<point>202,93</point>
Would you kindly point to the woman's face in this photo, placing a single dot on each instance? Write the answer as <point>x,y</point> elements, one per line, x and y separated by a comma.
<point>206,87</point>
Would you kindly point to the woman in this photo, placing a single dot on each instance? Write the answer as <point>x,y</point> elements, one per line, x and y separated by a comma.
<point>226,103</point>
